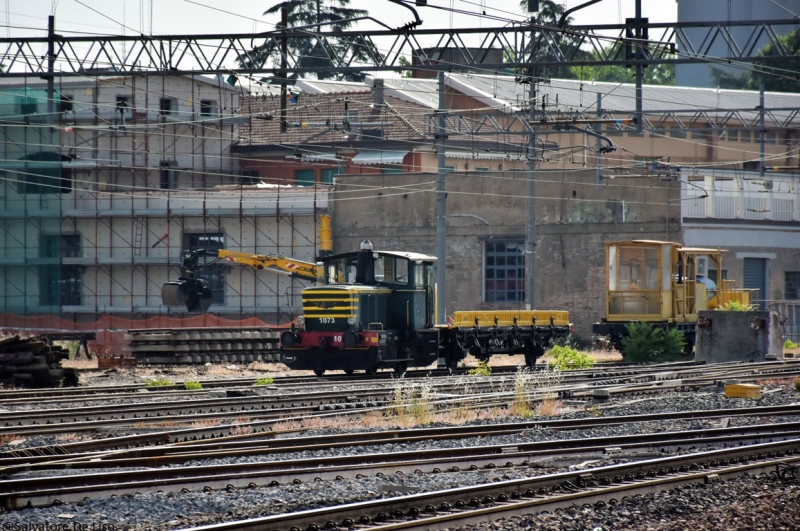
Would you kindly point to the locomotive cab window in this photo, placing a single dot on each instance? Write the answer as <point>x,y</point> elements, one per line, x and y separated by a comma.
<point>391,270</point>
<point>342,271</point>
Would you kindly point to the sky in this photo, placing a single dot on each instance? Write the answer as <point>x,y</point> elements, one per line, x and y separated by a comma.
<point>28,18</point>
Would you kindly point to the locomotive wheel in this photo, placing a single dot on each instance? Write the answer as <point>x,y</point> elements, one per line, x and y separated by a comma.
<point>319,372</point>
<point>532,353</point>
<point>349,372</point>
<point>371,371</point>
<point>400,368</point>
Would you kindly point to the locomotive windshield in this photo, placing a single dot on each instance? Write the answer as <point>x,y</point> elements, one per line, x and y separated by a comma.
<point>341,271</point>
<point>387,269</point>
<point>391,270</point>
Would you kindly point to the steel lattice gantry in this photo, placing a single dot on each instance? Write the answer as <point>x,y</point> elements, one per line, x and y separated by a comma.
<point>522,44</point>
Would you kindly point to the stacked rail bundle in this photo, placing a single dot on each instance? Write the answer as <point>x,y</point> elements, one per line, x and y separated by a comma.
<point>33,362</point>
<point>203,345</point>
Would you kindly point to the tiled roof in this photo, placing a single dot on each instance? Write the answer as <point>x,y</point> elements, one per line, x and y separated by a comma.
<point>402,124</point>
<point>324,114</point>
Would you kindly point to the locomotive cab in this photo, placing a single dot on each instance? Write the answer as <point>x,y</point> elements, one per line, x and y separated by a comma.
<point>374,309</point>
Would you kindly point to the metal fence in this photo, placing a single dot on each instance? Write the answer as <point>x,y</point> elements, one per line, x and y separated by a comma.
<point>789,318</point>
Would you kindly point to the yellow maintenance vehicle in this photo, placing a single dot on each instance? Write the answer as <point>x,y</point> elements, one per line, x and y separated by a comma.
<point>373,309</point>
<point>662,283</point>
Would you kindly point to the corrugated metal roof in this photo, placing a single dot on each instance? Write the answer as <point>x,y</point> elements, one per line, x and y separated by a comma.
<point>423,92</point>
<point>620,97</point>
<point>317,86</point>
<point>379,157</point>
<point>320,157</point>
<point>478,155</point>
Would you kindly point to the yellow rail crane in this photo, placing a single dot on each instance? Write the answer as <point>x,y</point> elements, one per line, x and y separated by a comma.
<point>662,283</point>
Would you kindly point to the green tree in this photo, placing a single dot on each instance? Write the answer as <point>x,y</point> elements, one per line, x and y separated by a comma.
<point>550,14</point>
<point>728,80</point>
<point>779,74</point>
<point>403,61</point>
<point>312,52</point>
<point>663,74</point>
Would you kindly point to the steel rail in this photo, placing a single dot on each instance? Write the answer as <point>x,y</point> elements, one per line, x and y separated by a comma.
<point>770,455</point>
<point>196,439</point>
<point>589,496</point>
<point>45,491</point>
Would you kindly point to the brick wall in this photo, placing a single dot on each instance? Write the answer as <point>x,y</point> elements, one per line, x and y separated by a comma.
<point>575,219</point>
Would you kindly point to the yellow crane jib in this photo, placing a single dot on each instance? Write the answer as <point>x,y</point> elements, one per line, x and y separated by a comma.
<point>295,268</point>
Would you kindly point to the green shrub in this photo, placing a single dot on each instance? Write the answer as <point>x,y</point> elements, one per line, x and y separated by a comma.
<point>736,306</point>
<point>264,381</point>
<point>646,343</point>
<point>158,382</point>
<point>789,344</point>
<point>482,369</point>
<point>568,358</point>
<point>673,345</point>
<point>573,341</point>
<point>641,342</point>
<point>192,386</point>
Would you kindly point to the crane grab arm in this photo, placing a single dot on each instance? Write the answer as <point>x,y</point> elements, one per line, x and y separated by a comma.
<point>296,268</point>
<point>193,293</point>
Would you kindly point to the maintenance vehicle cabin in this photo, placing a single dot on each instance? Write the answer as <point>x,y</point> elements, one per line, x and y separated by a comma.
<point>377,309</point>
<point>664,284</point>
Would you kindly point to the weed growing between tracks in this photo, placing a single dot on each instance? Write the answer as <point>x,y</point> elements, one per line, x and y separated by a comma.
<point>158,382</point>
<point>526,382</point>
<point>412,402</point>
<point>241,426</point>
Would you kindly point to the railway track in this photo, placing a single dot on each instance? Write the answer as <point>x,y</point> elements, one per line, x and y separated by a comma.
<point>614,374</point>
<point>176,413</point>
<point>471,505</point>
<point>276,442</point>
<point>198,445</point>
<point>153,474</point>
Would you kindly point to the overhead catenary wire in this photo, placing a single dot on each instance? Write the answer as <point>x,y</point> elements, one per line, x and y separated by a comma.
<point>355,103</point>
<point>737,150</point>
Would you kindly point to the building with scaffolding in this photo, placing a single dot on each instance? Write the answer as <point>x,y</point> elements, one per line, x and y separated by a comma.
<point>106,180</point>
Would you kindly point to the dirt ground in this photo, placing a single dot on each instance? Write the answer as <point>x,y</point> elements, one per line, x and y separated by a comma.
<point>90,375</point>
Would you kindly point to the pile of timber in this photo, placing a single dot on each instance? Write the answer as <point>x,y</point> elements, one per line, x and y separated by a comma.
<point>33,362</point>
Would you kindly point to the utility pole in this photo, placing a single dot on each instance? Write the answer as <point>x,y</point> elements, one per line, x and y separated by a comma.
<point>762,131</point>
<point>441,213</point>
<point>51,60</point>
<point>598,175</point>
<point>284,62</point>
<point>530,225</point>
<point>639,55</point>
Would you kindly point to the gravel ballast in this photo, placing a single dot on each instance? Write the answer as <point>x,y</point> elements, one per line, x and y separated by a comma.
<point>759,502</point>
